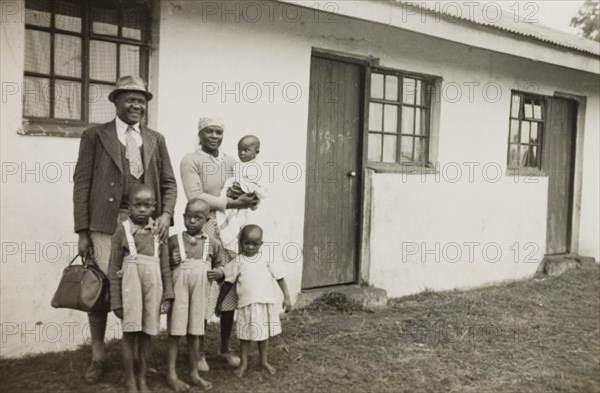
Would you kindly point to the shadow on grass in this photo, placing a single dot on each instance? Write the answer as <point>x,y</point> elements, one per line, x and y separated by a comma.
<point>539,335</point>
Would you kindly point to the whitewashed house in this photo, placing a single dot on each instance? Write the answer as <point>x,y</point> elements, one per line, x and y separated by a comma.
<point>406,147</point>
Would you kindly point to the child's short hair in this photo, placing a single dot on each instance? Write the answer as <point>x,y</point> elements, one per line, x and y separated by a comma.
<point>198,202</point>
<point>249,229</point>
<point>251,139</point>
<point>137,188</point>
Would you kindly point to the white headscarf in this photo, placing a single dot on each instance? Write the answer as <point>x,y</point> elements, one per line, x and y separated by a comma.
<point>210,121</point>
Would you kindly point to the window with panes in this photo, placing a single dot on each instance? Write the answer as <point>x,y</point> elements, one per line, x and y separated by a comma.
<point>526,131</point>
<point>75,50</point>
<point>399,118</point>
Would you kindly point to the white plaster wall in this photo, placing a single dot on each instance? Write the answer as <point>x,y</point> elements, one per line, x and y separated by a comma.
<point>37,217</point>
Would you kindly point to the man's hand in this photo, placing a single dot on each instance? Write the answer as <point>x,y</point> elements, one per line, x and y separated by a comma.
<point>287,304</point>
<point>165,306</point>
<point>118,312</point>
<point>84,244</point>
<point>215,275</point>
<point>161,226</point>
<point>218,310</point>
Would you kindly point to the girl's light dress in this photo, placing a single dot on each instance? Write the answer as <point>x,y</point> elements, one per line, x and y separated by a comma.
<point>257,318</point>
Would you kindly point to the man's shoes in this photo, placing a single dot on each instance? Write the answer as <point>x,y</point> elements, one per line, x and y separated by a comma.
<point>94,372</point>
<point>232,360</point>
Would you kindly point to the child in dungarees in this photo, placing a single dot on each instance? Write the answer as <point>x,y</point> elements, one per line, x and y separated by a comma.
<point>253,273</point>
<point>197,261</point>
<point>140,283</point>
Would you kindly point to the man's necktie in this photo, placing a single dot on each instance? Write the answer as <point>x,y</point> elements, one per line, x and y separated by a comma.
<point>136,167</point>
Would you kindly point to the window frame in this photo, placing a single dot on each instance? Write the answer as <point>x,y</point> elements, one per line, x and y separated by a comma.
<point>523,95</point>
<point>432,83</point>
<point>86,35</point>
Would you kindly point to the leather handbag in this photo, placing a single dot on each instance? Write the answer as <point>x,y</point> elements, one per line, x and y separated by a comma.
<point>82,287</point>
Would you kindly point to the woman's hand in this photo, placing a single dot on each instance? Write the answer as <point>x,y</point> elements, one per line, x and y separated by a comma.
<point>84,244</point>
<point>244,201</point>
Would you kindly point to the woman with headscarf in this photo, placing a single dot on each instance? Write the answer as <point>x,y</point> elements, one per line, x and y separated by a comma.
<point>203,174</point>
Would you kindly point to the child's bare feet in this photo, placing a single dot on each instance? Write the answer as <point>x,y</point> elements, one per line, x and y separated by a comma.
<point>143,387</point>
<point>177,384</point>
<point>269,368</point>
<point>132,387</point>
<point>199,381</point>
<point>241,370</point>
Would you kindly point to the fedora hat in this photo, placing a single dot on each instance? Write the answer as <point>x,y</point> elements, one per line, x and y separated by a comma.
<point>130,83</point>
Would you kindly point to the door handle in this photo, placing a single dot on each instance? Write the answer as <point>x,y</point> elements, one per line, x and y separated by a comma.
<point>352,174</point>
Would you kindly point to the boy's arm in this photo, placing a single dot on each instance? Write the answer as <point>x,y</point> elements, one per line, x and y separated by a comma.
<point>167,275</point>
<point>287,304</point>
<point>225,288</point>
<point>115,265</point>
<point>174,252</point>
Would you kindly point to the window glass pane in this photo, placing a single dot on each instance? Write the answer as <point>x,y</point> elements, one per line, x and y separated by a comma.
<point>37,51</point>
<point>421,122</point>
<point>514,131</point>
<point>420,149</point>
<point>375,117</point>
<point>528,109</point>
<point>408,118</point>
<point>389,148</point>
<point>406,148</point>
<point>423,93</point>
<point>68,15</point>
<point>418,92</point>
<point>37,13</point>
<point>104,18</point>
<point>374,153</point>
<point>36,97</point>
<point>377,85</point>
<point>67,103</point>
<point>516,102</point>
<point>513,155</point>
<point>528,156</point>
<point>391,87</point>
<point>390,118</point>
<point>525,131</point>
<point>533,138</point>
<point>101,109</point>
<point>408,93</point>
<point>67,55</point>
<point>103,61</point>
<point>537,110</point>
<point>130,60</point>
<point>134,19</point>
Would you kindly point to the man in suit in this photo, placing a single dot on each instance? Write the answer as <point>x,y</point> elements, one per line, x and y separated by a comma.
<point>113,157</point>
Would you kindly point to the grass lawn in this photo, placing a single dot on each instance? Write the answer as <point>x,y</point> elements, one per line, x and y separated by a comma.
<point>539,335</point>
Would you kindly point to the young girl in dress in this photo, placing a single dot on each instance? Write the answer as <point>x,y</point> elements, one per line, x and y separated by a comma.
<point>140,283</point>
<point>197,260</point>
<point>257,319</point>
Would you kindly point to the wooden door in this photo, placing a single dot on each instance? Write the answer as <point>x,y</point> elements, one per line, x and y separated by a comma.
<point>331,222</point>
<point>558,161</point>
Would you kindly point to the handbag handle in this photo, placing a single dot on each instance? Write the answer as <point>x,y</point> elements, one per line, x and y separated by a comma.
<point>84,261</point>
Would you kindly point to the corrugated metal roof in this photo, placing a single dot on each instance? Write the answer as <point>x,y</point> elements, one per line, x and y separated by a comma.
<point>505,20</point>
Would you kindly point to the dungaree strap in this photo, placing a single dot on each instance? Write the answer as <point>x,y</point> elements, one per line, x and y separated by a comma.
<point>131,242</point>
<point>184,254</point>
